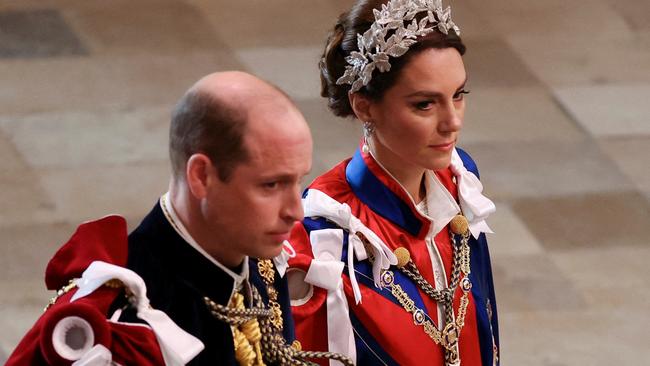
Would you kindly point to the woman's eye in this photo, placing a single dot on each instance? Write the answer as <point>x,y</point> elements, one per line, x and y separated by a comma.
<point>460,95</point>
<point>424,105</point>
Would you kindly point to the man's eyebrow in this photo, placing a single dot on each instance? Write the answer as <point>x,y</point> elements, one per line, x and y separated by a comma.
<point>280,176</point>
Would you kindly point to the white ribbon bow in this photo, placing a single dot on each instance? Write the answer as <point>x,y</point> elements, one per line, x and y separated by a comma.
<point>325,271</point>
<point>319,204</point>
<point>476,207</point>
<point>177,346</point>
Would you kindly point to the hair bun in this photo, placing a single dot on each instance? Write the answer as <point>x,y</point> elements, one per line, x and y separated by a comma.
<point>331,65</point>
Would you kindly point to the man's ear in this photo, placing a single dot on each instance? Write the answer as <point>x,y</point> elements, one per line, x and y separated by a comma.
<point>199,173</point>
<point>361,106</point>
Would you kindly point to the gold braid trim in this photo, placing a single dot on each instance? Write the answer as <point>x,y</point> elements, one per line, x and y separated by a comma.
<point>114,283</point>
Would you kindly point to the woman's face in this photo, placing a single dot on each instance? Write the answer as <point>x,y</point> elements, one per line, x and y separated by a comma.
<point>418,120</point>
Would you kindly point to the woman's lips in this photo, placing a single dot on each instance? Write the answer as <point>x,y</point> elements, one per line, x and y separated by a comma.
<point>444,146</point>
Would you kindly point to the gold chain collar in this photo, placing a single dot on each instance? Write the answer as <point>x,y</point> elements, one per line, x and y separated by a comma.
<point>450,335</point>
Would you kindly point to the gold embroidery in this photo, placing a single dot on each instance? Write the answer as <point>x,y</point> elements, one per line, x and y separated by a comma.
<point>267,272</point>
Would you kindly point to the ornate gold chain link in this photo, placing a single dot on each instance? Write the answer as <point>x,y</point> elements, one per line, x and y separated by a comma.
<point>449,336</point>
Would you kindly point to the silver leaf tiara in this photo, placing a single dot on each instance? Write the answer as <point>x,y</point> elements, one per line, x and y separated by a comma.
<point>375,50</point>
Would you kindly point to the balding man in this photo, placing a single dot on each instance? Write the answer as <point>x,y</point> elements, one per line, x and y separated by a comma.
<point>200,279</point>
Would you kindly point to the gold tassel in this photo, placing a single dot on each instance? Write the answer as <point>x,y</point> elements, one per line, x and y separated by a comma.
<point>254,335</point>
<point>248,349</point>
<point>244,352</point>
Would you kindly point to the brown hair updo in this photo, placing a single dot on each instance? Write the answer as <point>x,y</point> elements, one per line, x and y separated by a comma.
<point>342,40</point>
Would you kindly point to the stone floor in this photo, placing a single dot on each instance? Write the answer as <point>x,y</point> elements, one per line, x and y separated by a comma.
<point>558,120</point>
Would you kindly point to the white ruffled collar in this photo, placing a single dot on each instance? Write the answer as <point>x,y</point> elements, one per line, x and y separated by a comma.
<point>475,206</point>
<point>442,206</point>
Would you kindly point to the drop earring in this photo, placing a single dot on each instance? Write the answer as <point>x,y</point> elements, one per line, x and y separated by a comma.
<point>368,130</point>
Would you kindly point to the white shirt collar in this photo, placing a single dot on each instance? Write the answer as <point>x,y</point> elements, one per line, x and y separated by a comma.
<point>441,205</point>
<point>182,231</point>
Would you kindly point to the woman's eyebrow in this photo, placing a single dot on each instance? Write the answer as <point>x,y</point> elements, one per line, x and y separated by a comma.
<point>433,93</point>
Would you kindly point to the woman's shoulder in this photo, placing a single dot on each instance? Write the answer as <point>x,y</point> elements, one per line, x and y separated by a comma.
<point>333,182</point>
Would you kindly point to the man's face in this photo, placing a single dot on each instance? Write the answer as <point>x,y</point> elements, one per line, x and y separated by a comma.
<point>253,212</point>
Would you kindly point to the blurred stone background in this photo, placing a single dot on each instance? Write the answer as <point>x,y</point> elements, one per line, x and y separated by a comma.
<point>558,120</point>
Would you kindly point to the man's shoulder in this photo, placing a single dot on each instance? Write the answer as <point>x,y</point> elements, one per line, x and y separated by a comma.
<point>149,227</point>
<point>148,241</point>
<point>103,240</point>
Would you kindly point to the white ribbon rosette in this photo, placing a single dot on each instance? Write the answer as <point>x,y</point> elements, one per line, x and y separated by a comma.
<point>177,346</point>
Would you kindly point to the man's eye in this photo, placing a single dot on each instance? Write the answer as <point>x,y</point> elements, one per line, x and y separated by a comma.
<point>460,95</point>
<point>270,185</point>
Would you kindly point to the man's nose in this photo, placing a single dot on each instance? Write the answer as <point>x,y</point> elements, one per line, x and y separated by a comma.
<point>292,210</point>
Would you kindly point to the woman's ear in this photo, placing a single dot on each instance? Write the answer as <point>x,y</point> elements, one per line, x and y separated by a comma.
<point>198,173</point>
<point>361,106</point>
